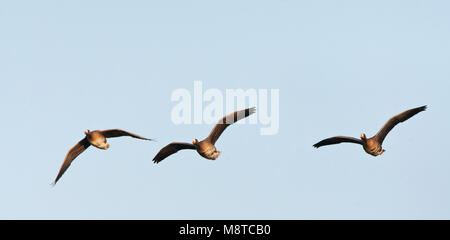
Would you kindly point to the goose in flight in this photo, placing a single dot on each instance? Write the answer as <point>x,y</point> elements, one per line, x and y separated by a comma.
<point>373,146</point>
<point>95,138</point>
<point>206,147</point>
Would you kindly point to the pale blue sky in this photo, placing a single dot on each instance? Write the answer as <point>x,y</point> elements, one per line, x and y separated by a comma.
<point>342,67</point>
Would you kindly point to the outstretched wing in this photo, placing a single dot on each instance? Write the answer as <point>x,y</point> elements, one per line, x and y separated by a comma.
<point>171,149</point>
<point>337,140</point>
<point>71,155</point>
<point>381,135</point>
<point>227,121</point>
<point>112,133</point>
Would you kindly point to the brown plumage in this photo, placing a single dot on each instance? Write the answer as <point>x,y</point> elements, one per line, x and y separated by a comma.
<point>206,147</point>
<point>373,146</point>
<point>95,138</point>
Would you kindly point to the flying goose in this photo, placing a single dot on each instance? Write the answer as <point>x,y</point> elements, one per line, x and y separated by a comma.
<point>373,146</point>
<point>206,147</point>
<point>95,138</point>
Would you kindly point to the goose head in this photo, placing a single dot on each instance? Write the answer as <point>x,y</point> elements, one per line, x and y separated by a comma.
<point>363,137</point>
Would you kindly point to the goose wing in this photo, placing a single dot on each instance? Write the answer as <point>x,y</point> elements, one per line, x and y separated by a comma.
<point>171,149</point>
<point>227,121</point>
<point>112,133</point>
<point>381,135</point>
<point>71,155</point>
<point>337,140</point>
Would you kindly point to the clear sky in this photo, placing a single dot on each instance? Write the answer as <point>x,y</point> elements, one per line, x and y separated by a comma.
<point>342,68</point>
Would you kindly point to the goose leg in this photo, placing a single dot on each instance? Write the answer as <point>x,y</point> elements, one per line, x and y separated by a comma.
<point>216,154</point>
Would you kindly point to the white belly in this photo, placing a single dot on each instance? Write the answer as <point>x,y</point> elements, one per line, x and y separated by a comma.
<point>100,143</point>
<point>210,153</point>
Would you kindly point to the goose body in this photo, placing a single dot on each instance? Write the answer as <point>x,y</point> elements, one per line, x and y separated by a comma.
<point>207,150</point>
<point>97,139</point>
<point>372,147</point>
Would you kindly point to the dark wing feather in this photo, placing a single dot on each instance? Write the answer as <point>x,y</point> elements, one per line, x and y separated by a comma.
<point>337,140</point>
<point>171,149</point>
<point>112,133</point>
<point>381,135</point>
<point>71,155</point>
<point>227,121</point>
